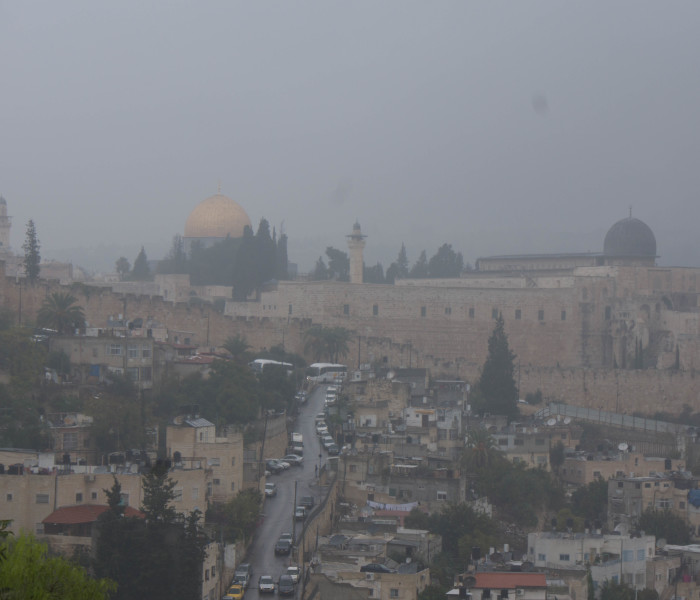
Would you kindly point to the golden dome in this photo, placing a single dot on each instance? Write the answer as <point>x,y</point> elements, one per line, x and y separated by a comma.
<point>216,217</point>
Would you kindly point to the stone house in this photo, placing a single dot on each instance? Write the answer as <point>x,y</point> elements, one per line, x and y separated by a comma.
<point>193,443</point>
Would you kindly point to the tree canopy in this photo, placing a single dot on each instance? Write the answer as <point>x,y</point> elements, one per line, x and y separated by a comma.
<point>141,270</point>
<point>32,258</point>
<point>497,382</point>
<point>60,311</point>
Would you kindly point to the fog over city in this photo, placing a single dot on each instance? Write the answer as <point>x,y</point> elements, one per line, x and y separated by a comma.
<point>495,127</point>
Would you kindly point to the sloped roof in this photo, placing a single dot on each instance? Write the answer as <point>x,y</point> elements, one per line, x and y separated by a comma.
<point>84,513</point>
<point>510,580</point>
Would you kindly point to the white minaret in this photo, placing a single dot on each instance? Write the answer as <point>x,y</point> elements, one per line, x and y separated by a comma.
<point>356,244</point>
<point>5,224</point>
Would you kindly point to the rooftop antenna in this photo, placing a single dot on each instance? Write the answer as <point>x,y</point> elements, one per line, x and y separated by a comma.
<point>630,211</point>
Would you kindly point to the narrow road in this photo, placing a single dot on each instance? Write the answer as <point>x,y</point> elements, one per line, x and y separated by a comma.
<point>279,510</point>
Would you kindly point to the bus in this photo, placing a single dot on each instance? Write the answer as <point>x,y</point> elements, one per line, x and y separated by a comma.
<point>259,365</point>
<point>326,372</point>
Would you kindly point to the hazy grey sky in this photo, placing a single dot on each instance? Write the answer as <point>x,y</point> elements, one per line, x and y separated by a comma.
<point>496,127</point>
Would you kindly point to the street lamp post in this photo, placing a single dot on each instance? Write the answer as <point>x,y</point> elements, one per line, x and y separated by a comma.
<point>320,456</point>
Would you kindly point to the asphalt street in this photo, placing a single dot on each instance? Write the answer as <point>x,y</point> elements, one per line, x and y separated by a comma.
<point>279,510</point>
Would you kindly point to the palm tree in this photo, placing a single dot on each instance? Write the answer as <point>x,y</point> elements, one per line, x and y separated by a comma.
<point>480,452</point>
<point>60,312</point>
<point>237,345</point>
<point>338,339</point>
<point>315,342</point>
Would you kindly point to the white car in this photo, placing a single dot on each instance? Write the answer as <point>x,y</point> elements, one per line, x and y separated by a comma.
<point>294,573</point>
<point>284,464</point>
<point>266,585</point>
<point>321,430</point>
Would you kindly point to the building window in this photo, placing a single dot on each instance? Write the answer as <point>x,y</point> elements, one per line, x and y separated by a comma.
<point>124,499</point>
<point>346,309</point>
<point>206,575</point>
<point>94,353</point>
<point>290,309</point>
<point>375,310</point>
<point>542,557</point>
<point>540,315</point>
<point>494,313</point>
<point>132,373</point>
<point>627,555</point>
<point>394,593</point>
<point>132,351</point>
<point>608,313</point>
<point>114,350</point>
<point>233,486</point>
<point>422,311</point>
<point>217,482</point>
<point>42,498</point>
<point>664,503</point>
<point>502,441</point>
<point>353,468</point>
<point>146,373</point>
<point>146,351</point>
<point>78,498</point>
<point>8,497</point>
<point>471,313</point>
<point>518,442</point>
<point>93,496</point>
<point>681,505</point>
<point>539,441</point>
<point>214,462</point>
<point>442,495</point>
<point>641,555</point>
<point>564,558</point>
<point>596,474</point>
<point>518,314</point>
<point>233,461</point>
<point>70,441</point>
<point>39,528</point>
<point>563,315</point>
<point>177,495</point>
<point>448,310</point>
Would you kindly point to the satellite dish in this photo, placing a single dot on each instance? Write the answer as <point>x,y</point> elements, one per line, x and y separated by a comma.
<point>622,447</point>
<point>567,420</point>
<point>661,542</point>
<point>551,422</point>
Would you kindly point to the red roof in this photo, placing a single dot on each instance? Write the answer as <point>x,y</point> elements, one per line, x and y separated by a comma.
<point>510,580</point>
<point>84,513</point>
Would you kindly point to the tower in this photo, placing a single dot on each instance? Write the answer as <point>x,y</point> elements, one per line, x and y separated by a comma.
<point>356,244</point>
<point>5,224</point>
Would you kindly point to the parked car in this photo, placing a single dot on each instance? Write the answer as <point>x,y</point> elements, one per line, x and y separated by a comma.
<point>245,568</point>
<point>242,579</point>
<point>235,592</point>
<point>294,573</point>
<point>270,489</point>
<point>294,460</point>
<point>286,536</point>
<point>285,585</point>
<point>375,568</point>
<point>266,585</point>
<point>283,547</point>
<point>322,430</point>
<point>300,513</point>
<point>307,502</point>
<point>333,449</point>
<point>273,466</point>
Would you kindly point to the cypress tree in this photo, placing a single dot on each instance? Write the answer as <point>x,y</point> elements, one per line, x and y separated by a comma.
<point>32,258</point>
<point>497,382</point>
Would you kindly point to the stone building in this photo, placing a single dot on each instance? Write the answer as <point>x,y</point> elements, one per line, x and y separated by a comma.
<point>193,443</point>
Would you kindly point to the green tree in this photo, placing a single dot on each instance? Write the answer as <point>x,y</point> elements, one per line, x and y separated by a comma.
<point>420,269</point>
<point>237,518</point>
<point>330,343</point>
<point>612,590</point>
<point>497,383</point>
<point>59,361</point>
<point>446,263</point>
<point>481,451</point>
<point>402,263</point>
<point>123,268</point>
<point>373,274</point>
<point>176,259</point>
<point>32,258</point>
<point>27,571</point>
<point>237,345</point>
<point>664,524</point>
<point>141,270</point>
<point>265,259</point>
<point>338,264</point>
<point>320,270</point>
<point>556,456</point>
<point>433,592</point>
<point>591,501</point>
<point>59,311</point>
<point>245,276</point>
<point>158,494</point>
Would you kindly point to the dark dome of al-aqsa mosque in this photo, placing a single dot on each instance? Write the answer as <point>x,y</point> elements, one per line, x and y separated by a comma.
<point>630,238</point>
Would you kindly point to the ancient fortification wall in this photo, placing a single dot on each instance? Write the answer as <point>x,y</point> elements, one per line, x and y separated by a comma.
<point>451,337</point>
